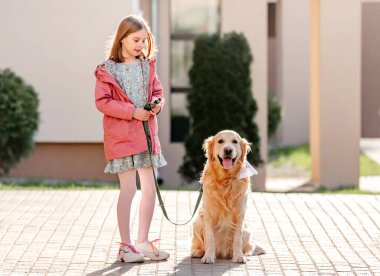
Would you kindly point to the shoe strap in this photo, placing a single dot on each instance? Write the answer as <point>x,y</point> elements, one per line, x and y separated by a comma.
<point>130,246</point>
<point>152,243</point>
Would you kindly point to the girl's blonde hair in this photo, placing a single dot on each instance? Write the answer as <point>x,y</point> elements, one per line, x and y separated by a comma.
<point>127,26</point>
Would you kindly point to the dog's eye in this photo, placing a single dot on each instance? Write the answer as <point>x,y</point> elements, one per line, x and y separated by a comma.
<point>234,141</point>
<point>220,141</point>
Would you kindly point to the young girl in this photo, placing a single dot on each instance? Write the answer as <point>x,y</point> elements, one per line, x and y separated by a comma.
<point>125,83</point>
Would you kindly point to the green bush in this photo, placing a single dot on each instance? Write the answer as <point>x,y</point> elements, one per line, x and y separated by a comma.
<point>274,115</point>
<point>18,119</point>
<point>221,97</point>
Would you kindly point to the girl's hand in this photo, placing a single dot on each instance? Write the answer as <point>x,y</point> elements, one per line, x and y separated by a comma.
<point>156,109</point>
<point>158,106</point>
<point>141,114</point>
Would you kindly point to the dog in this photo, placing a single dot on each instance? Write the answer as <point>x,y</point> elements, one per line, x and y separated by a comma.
<point>219,230</point>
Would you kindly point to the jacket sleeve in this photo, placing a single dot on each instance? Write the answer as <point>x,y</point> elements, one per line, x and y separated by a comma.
<point>105,104</point>
<point>157,90</point>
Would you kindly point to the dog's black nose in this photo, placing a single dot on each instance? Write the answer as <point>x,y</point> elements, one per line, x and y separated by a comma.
<point>227,151</point>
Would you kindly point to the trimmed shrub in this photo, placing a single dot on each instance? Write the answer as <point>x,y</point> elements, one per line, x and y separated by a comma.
<point>18,119</point>
<point>274,115</point>
<point>221,97</point>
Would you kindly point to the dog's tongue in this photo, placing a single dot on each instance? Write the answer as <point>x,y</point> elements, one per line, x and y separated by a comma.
<point>227,163</point>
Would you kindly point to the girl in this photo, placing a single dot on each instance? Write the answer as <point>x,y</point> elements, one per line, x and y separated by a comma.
<point>125,83</point>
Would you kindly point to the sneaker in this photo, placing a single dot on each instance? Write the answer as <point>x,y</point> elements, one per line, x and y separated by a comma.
<point>129,254</point>
<point>149,250</point>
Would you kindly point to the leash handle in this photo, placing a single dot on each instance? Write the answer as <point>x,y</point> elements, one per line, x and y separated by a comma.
<point>161,202</point>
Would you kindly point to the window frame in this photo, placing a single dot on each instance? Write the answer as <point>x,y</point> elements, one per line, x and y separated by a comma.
<point>185,37</point>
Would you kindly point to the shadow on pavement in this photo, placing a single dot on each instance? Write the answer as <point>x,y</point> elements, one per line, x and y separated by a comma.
<point>119,268</point>
<point>193,266</point>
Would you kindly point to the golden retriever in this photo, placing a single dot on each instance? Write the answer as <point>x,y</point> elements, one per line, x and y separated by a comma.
<point>219,230</point>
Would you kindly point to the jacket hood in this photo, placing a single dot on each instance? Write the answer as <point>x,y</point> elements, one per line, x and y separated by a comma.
<point>102,74</point>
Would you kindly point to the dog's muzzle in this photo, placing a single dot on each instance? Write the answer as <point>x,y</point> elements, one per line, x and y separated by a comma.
<point>227,161</point>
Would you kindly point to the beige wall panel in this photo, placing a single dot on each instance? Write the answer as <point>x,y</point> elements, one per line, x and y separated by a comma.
<point>68,161</point>
<point>370,70</point>
<point>55,46</point>
<point>293,64</point>
<point>173,152</point>
<point>250,17</point>
<point>315,122</point>
<point>146,9</point>
<point>338,107</point>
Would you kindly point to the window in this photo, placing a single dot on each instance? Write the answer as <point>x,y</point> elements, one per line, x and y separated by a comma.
<point>188,19</point>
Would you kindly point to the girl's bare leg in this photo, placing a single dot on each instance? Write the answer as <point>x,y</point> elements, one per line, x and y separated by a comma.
<point>127,192</point>
<point>148,198</point>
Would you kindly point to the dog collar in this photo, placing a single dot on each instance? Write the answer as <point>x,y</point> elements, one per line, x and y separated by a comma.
<point>247,171</point>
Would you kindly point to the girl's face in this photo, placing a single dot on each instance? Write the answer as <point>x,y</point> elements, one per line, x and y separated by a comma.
<point>134,43</point>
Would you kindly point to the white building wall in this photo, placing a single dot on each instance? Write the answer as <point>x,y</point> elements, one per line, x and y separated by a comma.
<point>55,46</point>
<point>292,59</point>
<point>252,22</point>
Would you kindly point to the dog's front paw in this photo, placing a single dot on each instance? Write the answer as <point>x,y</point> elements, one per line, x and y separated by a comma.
<point>208,259</point>
<point>239,259</point>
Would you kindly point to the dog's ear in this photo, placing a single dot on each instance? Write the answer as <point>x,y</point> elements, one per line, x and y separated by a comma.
<point>208,147</point>
<point>245,148</point>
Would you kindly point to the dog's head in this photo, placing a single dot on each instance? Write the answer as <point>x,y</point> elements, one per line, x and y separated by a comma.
<point>227,149</point>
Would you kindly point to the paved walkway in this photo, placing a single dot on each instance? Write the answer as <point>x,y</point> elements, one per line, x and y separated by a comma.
<point>75,233</point>
<point>369,184</point>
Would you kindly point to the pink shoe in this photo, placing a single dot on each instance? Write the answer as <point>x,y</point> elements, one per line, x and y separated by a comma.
<point>129,254</point>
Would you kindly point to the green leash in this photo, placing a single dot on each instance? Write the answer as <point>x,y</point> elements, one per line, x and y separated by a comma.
<point>148,107</point>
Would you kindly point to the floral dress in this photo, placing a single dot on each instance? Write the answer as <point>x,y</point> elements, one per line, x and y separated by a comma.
<point>133,79</point>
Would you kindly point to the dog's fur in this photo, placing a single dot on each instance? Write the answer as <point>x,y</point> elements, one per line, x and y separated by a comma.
<point>219,230</point>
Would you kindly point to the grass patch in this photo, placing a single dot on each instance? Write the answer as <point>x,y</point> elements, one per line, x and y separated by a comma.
<point>79,185</point>
<point>182,187</point>
<point>299,158</point>
<point>368,166</point>
<point>50,185</point>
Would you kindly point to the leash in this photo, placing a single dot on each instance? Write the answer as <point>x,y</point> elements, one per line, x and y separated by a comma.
<point>149,106</point>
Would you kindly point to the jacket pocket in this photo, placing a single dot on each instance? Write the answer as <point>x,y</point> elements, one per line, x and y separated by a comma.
<point>120,130</point>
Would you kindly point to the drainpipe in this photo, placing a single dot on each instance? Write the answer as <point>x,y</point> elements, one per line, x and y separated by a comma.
<point>136,7</point>
<point>154,24</point>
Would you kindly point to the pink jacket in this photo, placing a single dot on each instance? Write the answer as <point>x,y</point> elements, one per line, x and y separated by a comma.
<point>124,135</point>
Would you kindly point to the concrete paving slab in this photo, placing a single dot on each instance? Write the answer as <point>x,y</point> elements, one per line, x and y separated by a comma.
<point>75,233</point>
